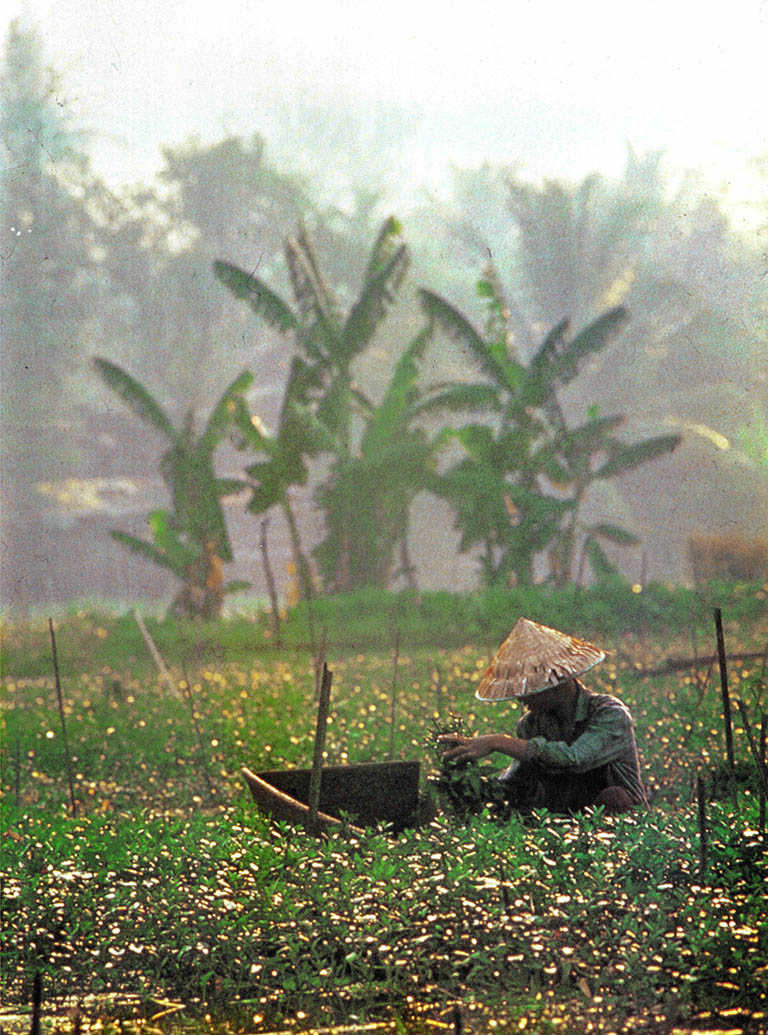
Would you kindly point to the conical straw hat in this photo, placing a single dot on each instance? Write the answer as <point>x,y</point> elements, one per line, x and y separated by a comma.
<point>534,657</point>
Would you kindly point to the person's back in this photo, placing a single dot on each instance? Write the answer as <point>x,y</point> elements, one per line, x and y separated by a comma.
<point>587,756</point>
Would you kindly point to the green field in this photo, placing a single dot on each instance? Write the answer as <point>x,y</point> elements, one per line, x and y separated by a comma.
<point>169,902</point>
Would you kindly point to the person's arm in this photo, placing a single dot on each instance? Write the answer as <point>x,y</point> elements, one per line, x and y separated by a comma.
<point>478,747</point>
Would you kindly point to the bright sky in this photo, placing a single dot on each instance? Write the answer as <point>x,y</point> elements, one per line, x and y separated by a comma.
<point>559,88</point>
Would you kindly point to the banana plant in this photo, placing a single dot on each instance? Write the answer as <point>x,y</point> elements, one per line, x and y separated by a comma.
<point>282,457</point>
<point>190,538</point>
<point>329,339</point>
<point>519,487</point>
<point>368,497</point>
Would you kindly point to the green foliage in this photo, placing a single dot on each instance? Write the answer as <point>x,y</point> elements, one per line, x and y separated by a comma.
<point>191,539</point>
<point>464,788</point>
<point>544,920</point>
<point>610,607</point>
<point>367,495</point>
<point>518,490</point>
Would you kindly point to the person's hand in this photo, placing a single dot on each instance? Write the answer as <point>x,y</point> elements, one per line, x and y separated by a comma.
<point>466,748</point>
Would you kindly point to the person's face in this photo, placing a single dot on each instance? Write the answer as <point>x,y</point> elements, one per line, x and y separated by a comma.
<point>545,700</point>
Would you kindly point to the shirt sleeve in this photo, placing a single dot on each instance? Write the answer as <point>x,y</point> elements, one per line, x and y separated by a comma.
<point>605,739</point>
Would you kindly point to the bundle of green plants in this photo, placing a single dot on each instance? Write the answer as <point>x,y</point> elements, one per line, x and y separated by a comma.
<point>463,788</point>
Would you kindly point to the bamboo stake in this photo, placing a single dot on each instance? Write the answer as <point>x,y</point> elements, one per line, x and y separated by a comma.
<point>186,693</point>
<point>438,692</point>
<point>503,885</point>
<point>317,760</point>
<point>763,731</point>
<point>458,1024</point>
<point>67,756</point>
<point>393,706</point>
<point>17,771</point>
<point>156,655</point>
<point>758,754</point>
<point>270,581</point>
<point>37,999</point>
<point>724,687</point>
<point>701,799</point>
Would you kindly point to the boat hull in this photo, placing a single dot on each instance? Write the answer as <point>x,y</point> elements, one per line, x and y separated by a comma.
<point>368,793</point>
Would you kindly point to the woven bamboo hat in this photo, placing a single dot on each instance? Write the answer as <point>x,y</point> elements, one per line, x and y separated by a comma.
<point>534,657</point>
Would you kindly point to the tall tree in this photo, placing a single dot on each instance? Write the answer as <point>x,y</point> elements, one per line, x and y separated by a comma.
<point>51,288</point>
<point>172,319</point>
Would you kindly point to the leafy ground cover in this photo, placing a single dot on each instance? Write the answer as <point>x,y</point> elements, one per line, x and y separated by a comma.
<point>168,896</point>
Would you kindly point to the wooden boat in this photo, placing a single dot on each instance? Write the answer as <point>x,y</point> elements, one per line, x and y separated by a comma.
<point>368,793</point>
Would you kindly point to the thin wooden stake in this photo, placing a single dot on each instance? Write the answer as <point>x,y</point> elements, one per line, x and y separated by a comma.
<point>37,1000</point>
<point>701,799</point>
<point>763,731</point>
<point>185,688</point>
<point>438,692</point>
<point>758,754</point>
<point>317,760</point>
<point>67,756</point>
<point>17,771</point>
<point>393,706</point>
<point>270,581</point>
<point>504,888</point>
<point>724,688</point>
<point>156,655</point>
<point>458,1023</point>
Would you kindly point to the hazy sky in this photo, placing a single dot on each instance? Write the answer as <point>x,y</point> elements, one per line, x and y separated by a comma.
<point>559,88</point>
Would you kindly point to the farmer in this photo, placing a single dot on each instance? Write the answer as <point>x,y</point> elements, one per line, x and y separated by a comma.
<point>572,747</point>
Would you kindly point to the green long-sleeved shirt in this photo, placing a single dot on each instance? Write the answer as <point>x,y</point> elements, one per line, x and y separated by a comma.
<point>600,736</point>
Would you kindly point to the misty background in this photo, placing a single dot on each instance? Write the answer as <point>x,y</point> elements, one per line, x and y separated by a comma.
<point>589,158</point>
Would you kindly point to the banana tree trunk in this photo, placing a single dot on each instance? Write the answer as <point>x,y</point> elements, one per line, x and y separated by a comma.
<point>299,559</point>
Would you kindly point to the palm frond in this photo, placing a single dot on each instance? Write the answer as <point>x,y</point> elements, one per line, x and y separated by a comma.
<point>498,328</point>
<point>600,564</point>
<point>376,297</point>
<point>253,433</point>
<point>143,404</point>
<point>387,243</point>
<point>580,443</point>
<point>303,241</point>
<point>460,399</point>
<point>458,327</point>
<point>593,338</point>
<point>259,296</point>
<point>304,433</point>
<point>614,533</point>
<point>550,349</point>
<point>230,486</point>
<point>626,458</point>
<point>224,412</point>
<point>402,388</point>
<point>145,549</point>
<point>236,586</point>
<point>318,331</point>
